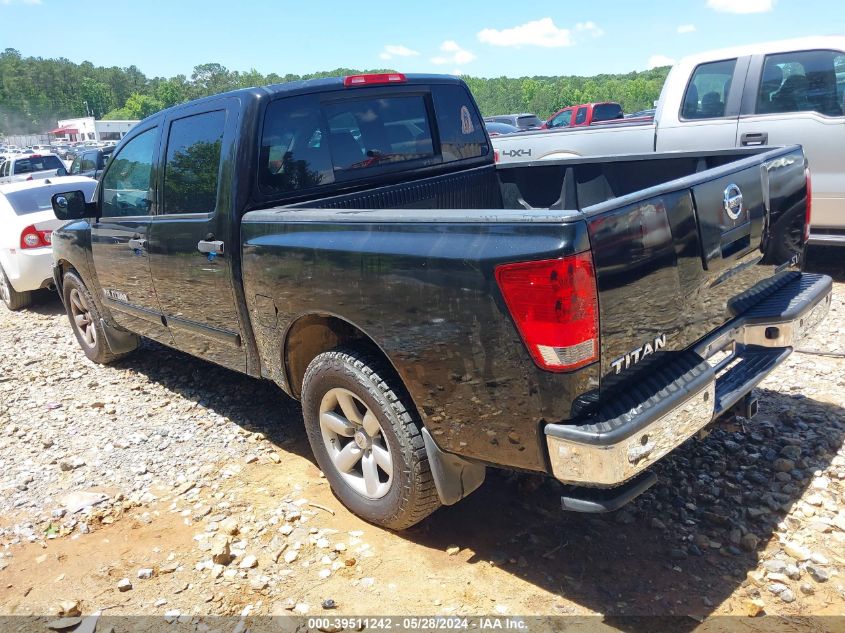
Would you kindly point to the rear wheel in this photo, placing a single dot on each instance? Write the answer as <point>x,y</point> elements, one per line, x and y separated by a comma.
<point>13,299</point>
<point>86,321</point>
<point>366,439</point>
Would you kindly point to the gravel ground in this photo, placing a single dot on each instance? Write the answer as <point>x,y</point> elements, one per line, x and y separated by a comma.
<point>166,485</point>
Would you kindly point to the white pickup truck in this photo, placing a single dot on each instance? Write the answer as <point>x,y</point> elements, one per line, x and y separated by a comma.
<point>31,167</point>
<point>779,93</point>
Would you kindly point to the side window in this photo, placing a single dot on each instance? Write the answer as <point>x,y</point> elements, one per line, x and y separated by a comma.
<point>562,120</point>
<point>193,163</point>
<point>805,81</point>
<point>461,131</point>
<point>127,185</point>
<point>707,92</point>
<point>23,166</point>
<point>89,161</point>
<point>76,166</point>
<point>581,116</point>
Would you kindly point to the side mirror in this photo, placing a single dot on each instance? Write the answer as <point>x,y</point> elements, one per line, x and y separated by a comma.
<point>61,171</point>
<point>70,205</point>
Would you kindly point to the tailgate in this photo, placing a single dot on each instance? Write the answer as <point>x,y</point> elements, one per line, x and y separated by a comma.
<point>676,261</point>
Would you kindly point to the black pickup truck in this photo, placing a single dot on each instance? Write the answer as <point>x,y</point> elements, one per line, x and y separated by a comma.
<point>353,240</point>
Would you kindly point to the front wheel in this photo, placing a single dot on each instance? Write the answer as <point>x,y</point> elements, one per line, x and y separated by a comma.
<point>13,299</point>
<point>366,439</point>
<point>86,321</point>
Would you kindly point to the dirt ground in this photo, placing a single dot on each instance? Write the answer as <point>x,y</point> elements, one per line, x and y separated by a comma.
<point>506,550</point>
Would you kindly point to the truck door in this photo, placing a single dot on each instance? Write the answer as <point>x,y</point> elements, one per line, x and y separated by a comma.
<point>705,116</point>
<point>119,237</point>
<point>193,238</point>
<point>798,98</point>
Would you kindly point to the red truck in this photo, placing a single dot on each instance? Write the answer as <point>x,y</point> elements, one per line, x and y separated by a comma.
<point>584,114</point>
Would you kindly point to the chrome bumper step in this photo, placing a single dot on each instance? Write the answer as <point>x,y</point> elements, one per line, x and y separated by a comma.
<point>649,419</point>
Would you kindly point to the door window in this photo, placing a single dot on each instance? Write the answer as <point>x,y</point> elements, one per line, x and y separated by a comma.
<point>581,116</point>
<point>127,185</point>
<point>804,81</point>
<point>76,166</point>
<point>89,161</point>
<point>707,92</point>
<point>562,120</point>
<point>192,170</point>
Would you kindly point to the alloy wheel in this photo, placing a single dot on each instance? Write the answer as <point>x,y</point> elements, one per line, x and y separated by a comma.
<point>355,443</point>
<point>82,319</point>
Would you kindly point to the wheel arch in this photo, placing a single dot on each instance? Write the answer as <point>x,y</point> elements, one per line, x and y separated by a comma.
<point>313,333</point>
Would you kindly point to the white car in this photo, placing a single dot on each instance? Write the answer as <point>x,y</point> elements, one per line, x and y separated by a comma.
<point>26,223</point>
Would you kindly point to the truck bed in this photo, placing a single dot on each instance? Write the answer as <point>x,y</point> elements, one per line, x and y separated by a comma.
<point>417,261</point>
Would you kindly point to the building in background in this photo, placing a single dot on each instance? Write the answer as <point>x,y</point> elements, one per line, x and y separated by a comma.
<point>89,129</point>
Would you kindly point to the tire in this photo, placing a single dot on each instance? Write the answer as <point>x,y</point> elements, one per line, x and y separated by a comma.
<point>85,320</point>
<point>404,493</point>
<point>13,299</point>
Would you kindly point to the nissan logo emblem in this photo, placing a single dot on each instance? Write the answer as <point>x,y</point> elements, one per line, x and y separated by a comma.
<point>733,201</point>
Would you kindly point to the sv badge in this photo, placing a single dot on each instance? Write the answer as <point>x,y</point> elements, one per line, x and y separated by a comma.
<point>635,356</point>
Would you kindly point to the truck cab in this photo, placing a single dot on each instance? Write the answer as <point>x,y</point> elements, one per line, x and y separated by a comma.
<point>584,115</point>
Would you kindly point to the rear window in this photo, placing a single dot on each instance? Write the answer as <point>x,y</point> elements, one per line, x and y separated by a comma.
<point>37,199</point>
<point>374,132</point>
<point>37,163</point>
<point>461,133</point>
<point>306,143</point>
<point>607,112</point>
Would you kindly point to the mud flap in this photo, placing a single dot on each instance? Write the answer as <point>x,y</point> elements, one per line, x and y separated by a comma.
<point>454,476</point>
<point>119,341</point>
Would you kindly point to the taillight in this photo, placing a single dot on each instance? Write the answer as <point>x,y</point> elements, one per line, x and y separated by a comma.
<point>495,156</point>
<point>374,78</point>
<point>809,207</point>
<point>34,238</point>
<point>554,304</point>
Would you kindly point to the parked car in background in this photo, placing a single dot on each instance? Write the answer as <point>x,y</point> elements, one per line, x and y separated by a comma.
<point>584,114</point>
<point>495,128</point>
<point>90,162</point>
<point>31,167</point>
<point>639,114</point>
<point>26,225</point>
<point>525,121</point>
<point>777,93</point>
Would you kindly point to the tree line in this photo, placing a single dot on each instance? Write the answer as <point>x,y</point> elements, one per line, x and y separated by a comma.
<point>36,92</point>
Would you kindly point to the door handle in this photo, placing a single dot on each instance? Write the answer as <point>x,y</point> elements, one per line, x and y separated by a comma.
<point>754,138</point>
<point>137,244</point>
<point>210,247</point>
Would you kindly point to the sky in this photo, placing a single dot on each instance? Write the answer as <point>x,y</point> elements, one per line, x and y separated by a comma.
<point>482,39</point>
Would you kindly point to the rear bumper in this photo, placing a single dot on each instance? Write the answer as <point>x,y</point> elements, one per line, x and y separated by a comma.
<point>697,386</point>
<point>29,269</point>
<point>826,237</point>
